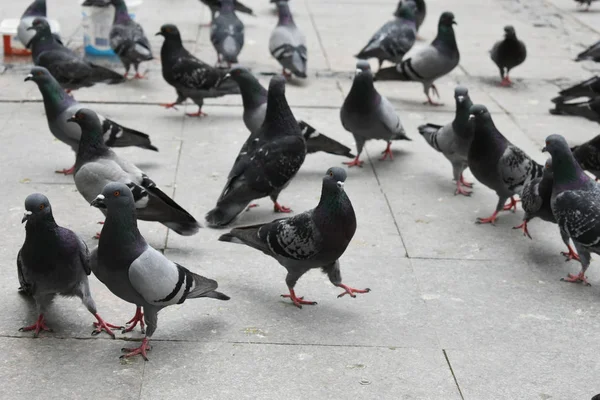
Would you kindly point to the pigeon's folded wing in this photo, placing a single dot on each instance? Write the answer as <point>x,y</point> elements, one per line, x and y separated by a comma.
<point>578,214</point>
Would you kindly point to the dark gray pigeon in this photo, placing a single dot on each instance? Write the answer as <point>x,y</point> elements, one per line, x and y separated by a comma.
<point>267,162</point>
<point>589,88</point>
<point>227,34</point>
<point>288,44</point>
<point>53,261</point>
<point>395,38</point>
<point>368,115</point>
<point>588,109</point>
<point>428,63</point>
<point>136,272</point>
<point>67,67</point>
<point>588,155</point>
<point>37,9</point>
<point>453,139</point>
<point>127,39</point>
<point>575,203</point>
<point>314,239</point>
<point>215,6</point>
<point>592,53</point>
<point>586,2</point>
<point>254,98</point>
<point>97,165</point>
<point>497,163</point>
<point>190,77</point>
<point>60,106</point>
<point>508,53</point>
<point>421,12</point>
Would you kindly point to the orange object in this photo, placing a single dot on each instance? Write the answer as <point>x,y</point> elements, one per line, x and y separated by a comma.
<point>10,51</point>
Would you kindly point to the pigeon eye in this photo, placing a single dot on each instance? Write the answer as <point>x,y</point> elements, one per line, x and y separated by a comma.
<point>41,206</point>
<point>331,173</point>
<point>116,193</point>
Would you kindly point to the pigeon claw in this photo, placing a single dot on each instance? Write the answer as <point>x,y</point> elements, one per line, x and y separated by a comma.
<point>298,301</point>
<point>524,227</point>
<point>465,183</point>
<point>354,163</point>
<point>144,347</point>
<point>351,291</point>
<point>580,278</point>
<point>506,81</point>
<point>198,113</point>
<point>138,317</point>
<point>278,208</point>
<point>169,105</point>
<point>140,76</point>
<point>512,205</point>
<point>96,236</point>
<point>387,152</point>
<point>570,254</point>
<point>460,190</point>
<point>251,206</point>
<point>101,325</point>
<point>39,326</point>
<point>66,171</point>
<point>488,220</point>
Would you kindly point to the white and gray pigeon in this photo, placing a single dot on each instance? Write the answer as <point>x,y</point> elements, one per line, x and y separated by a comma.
<point>190,77</point>
<point>508,53</point>
<point>368,115</point>
<point>127,39</point>
<point>288,44</point>
<point>314,239</point>
<point>254,99</point>
<point>453,139</point>
<point>575,203</point>
<point>267,162</point>
<point>97,165</point>
<point>134,271</point>
<point>394,39</point>
<point>429,63</point>
<point>60,106</point>
<point>37,9</point>
<point>53,261</point>
<point>227,34</point>
<point>497,163</point>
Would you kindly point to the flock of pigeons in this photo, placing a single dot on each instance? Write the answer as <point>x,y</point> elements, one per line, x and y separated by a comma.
<point>54,260</point>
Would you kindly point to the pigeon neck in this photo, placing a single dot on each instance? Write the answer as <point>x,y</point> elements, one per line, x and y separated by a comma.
<point>487,135</point>
<point>56,100</point>
<point>121,13</point>
<point>279,119</point>
<point>41,41</point>
<point>36,9</point>
<point>335,210</point>
<point>461,118</point>
<point>120,230</point>
<point>170,46</point>
<point>445,38</point>
<point>41,225</point>
<point>285,15</point>
<point>91,146</point>
<point>253,94</point>
<point>567,172</point>
<point>227,6</point>
<point>362,96</point>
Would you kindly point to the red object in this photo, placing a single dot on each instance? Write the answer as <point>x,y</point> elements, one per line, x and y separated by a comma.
<point>9,51</point>
<point>298,301</point>
<point>138,317</point>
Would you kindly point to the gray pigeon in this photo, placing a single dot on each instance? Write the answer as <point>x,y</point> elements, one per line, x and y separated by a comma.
<point>368,115</point>
<point>67,67</point>
<point>127,39</point>
<point>497,163</point>
<point>575,203</point>
<point>314,239</point>
<point>428,63</point>
<point>453,139</point>
<point>190,77</point>
<point>215,6</point>
<point>591,53</point>
<point>254,98</point>
<point>589,88</point>
<point>97,165</point>
<point>134,271</point>
<point>394,38</point>
<point>267,162</point>
<point>227,34</point>
<point>53,260</point>
<point>60,106</point>
<point>508,53</point>
<point>536,202</point>
<point>588,155</point>
<point>37,9</point>
<point>288,44</point>
<point>421,12</point>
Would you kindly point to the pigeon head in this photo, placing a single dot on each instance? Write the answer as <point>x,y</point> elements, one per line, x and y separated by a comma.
<point>363,72</point>
<point>363,65</point>
<point>169,31</point>
<point>279,119</point>
<point>556,144</point>
<point>509,31</point>
<point>40,25</point>
<point>37,208</point>
<point>285,15</point>
<point>39,75</point>
<point>461,94</point>
<point>227,5</point>
<point>548,168</point>
<point>87,120</point>
<point>253,94</point>
<point>334,179</point>
<point>479,111</point>
<point>447,19</point>
<point>565,168</point>
<point>37,9</point>
<point>92,139</point>
<point>406,10</point>
<point>114,195</point>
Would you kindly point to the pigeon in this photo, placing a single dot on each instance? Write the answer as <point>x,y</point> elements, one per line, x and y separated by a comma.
<point>37,9</point>
<point>586,2</point>
<point>588,156</point>
<point>97,165</point>
<point>536,202</point>
<point>453,139</point>
<point>508,53</point>
<point>215,6</point>
<point>428,63</point>
<point>421,12</point>
<point>60,106</point>
<point>497,163</point>
<point>575,203</point>
<point>67,67</point>
<point>368,115</point>
<point>592,53</point>
<point>227,34</point>
<point>589,109</point>
<point>394,38</point>
<point>588,88</point>
<point>190,77</point>
<point>127,39</point>
<point>288,44</point>
<point>53,260</point>
<point>314,239</point>
<point>267,162</point>
<point>136,272</point>
<point>254,98</point>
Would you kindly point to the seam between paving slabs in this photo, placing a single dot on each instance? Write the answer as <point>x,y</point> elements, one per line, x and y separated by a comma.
<point>312,21</point>
<point>453,375</point>
<point>177,164</point>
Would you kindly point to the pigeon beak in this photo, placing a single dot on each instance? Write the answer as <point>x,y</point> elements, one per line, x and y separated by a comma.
<point>544,149</point>
<point>340,185</point>
<point>358,71</point>
<point>158,34</point>
<point>72,119</point>
<point>31,28</point>
<point>98,202</point>
<point>28,77</point>
<point>460,99</point>
<point>225,78</point>
<point>454,23</point>
<point>26,216</point>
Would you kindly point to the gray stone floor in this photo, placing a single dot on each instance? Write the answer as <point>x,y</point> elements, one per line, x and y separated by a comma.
<point>457,311</point>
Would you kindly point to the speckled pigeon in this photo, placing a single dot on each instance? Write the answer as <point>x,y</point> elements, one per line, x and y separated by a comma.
<point>575,203</point>
<point>37,9</point>
<point>53,260</point>
<point>314,239</point>
<point>588,109</point>
<point>508,53</point>
<point>136,272</point>
<point>588,155</point>
<point>67,67</point>
<point>288,44</point>
<point>368,115</point>
<point>497,163</point>
<point>227,34</point>
<point>453,139</point>
<point>267,162</point>
<point>127,39</point>
<point>97,165</point>
<point>190,77</point>
<point>254,98</point>
<point>592,53</point>
<point>394,38</point>
<point>588,88</point>
<point>215,5</point>
<point>60,106</point>
<point>428,63</point>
